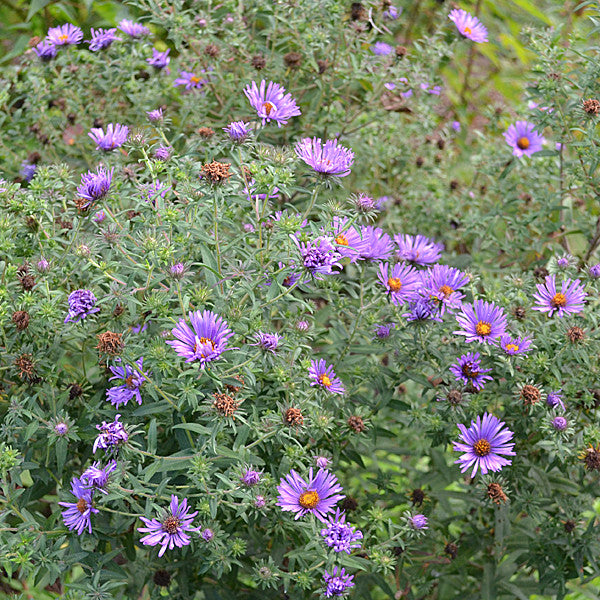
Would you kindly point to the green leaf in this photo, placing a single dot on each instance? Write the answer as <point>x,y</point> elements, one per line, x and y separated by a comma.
<point>35,7</point>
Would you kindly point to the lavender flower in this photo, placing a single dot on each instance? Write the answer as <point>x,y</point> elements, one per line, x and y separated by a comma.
<point>207,534</point>
<point>319,256</point>
<point>381,49</point>
<point>384,331</point>
<point>150,192</point>
<point>316,495</point>
<point>43,266</point>
<point>111,434</point>
<point>468,370</point>
<point>78,514</point>
<point>133,379</point>
<point>61,428</point>
<point>96,478</point>
<point>163,153</point>
<point>337,583</point>
<point>518,345</point>
<point>322,462</point>
<point>402,282</point>
<point>189,80</point>
<point>302,326</point>
<point>205,341</point>
<point>329,159</point>
<point>485,444</point>
<point>324,376</point>
<point>568,301</point>
<point>377,245</point>
<point>177,270</point>
<point>482,322</point>
<point>159,59</point>
<point>267,341</point>
<point>392,13</point>
<point>135,30</point>
<point>422,309</point>
<point>81,304</point>
<point>271,102</point>
<point>341,536</point>
<point>554,399</point>
<point>250,478</point>
<point>441,283</point>
<point>456,126</point>
<point>434,90</point>
<point>418,522</point>
<point>523,138</point>
<point>45,50</point>
<point>115,136</point>
<point>347,238</point>
<point>259,501</point>
<point>468,25</point>
<point>28,170</point>
<point>594,271</point>
<point>559,423</point>
<point>102,38</point>
<point>418,249</point>
<point>238,131</point>
<point>171,530</point>
<point>99,216</point>
<point>64,35</point>
<point>95,185</point>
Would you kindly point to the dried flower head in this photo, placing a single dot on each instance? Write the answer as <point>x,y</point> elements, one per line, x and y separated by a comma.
<point>258,62</point>
<point>26,366</point>
<point>591,106</point>
<point>356,424</point>
<point>205,132</point>
<point>591,457</point>
<point>216,172</point>
<point>292,60</point>
<point>21,319</point>
<point>530,394</point>
<point>225,404</point>
<point>110,343</point>
<point>496,494</point>
<point>293,417</point>
<point>575,334</point>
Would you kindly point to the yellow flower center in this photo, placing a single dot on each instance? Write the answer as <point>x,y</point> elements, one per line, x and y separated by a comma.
<point>171,524</point>
<point>63,38</point>
<point>324,380</point>
<point>203,341</point>
<point>395,284</point>
<point>558,300</point>
<point>268,106</point>
<point>309,499</point>
<point>512,347</point>
<point>483,328</point>
<point>194,79</point>
<point>446,290</point>
<point>81,505</point>
<point>482,447</point>
<point>523,143</point>
<point>467,370</point>
<point>468,31</point>
<point>341,239</point>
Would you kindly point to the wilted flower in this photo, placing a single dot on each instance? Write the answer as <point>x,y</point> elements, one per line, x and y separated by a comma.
<point>326,159</point>
<point>81,304</point>
<point>64,35</point>
<point>554,399</point>
<point>133,379</point>
<point>96,478</point>
<point>568,301</point>
<point>159,60</point>
<point>78,514</point>
<point>271,102</point>
<point>135,30</point>
<point>468,369</point>
<point>482,322</point>
<point>102,38</point>
<point>324,376</point>
<point>115,136</point>
<point>523,138</point>
<point>207,534</point>
<point>341,536</point>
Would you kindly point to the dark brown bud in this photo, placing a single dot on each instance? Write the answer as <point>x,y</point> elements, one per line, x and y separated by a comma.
<point>34,158</point>
<point>569,526</point>
<point>206,132</point>
<point>441,143</point>
<point>27,282</point>
<point>118,310</point>
<point>98,122</point>
<point>591,458</point>
<point>454,397</point>
<point>519,313</point>
<point>356,424</point>
<point>454,184</point>
<point>21,319</point>
<point>162,578</point>
<point>211,50</point>
<point>540,272</point>
<point>417,496</point>
<point>401,51</point>
<point>419,162</point>
<point>75,390</point>
<point>323,66</point>
<point>132,214</point>
<point>451,550</point>
<point>31,222</point>
<point>258,62</point>
<point>292,60</point>
<point>349,504</point>
<point>357,11</point>
<point>575,335</point>
<point>110,343</point>
<point>26,366</point>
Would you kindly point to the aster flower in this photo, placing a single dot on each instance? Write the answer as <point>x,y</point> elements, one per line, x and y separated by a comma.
<point>434,90</point>
<point>401,281</point>
<point>468,25</point>
<point>523,138</point>
<point>482,322</point>
<point>341,536</point>
<point>271,102</point>
<point>111,434</point>
<point>253,196</point>
<point>150,192</point>
<point>456,126</point>
<point>96,478</point>
<point>518,345</point>
<point>28,170</point>
<point>64,35</point>
<point>204,341</point>
<point>347,238</point>
<point>594,271</point>
<point>468,370</point>
<point>102,38</point>
<point>568,301</point>
<point>61,428</point>
<point>559,423</point>
<point>418,249</point>
<point>381,49</point>
<point>322,462</point>
<point>319,256</point>
<point>324,376</point>
<point>135,30</point>
<point>418,522</point>
<point>377,245</point>
<point>163,153</point>
<point>45,50</point>
<point>159,60</point>
<point>172,528</point>
<point>207,534</point>
<point>485,444</point>
<point>267,341</point>
<point>78,514</point>
<point>133,379</point>
<point>250,478</point>
<point>326,159</point>
<point>441,282</point>
<point>384,331</point>
<point>338,582</point>
<point>259,501</point>
<point>238,131</point>
<point>94,185</point>
<point>99,217</point>
<point>554,400</point>
<point>189,80</point>
<point>115,136</point>
<point>392,13</point>
<point>81,304</point>
<point>317,495</point>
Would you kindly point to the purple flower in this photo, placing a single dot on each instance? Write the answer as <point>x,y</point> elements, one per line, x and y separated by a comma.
<point>482,322</point>
<point>319,256</point>
<point>341,536</point>
<point>568,301</point>
<point>115,136</point>
<point>177,270</point>
<point>377,245</point>
<point>135,30</point>
<point>238,131</point>
<point>61,428</point>
<point>366,204</point>
<point>102,38</point>
<point>381,49</point>
<point>45,50</point>
<point>64,35</point>
<point>259,501</point>
<point>81,305</point>
<point>456,125</point>
<point>170,530</point>
<point>418,249</point>
<point>324,376</point>
<point>250,478</point>
<point>253,196</point>
<point>468,25</point>
<point>207,534</point>
<point>159,59</point>
<point>418,522</point>
<point>392,13</point>
<point>594,271</point>
<point>43,265</point>
<point>78,514</point>
<point>518,345</point>
<point>328,159</point>
<point>302,326</point>
<point>163,153</point>
<point>337,583</point>
<point>559,423</point>
<point>95,185</point>
<point>317,495</point>
<point>28,170</point>
<point>422,309</point>
<point>96,478</point>
<point>111,434</point>
<point>271,102</point>
<point>468,370</point>
<point>441,283</point>
<point>189,80</point>
<point>554,399</point>
<point>434,90</point>
<point>383,332</point>
<point>322,462</point>
<point>347,238</point>
<point>204,341</point>
<point>99,216</point>
<point>483,444</point>
<point>401,282</point>
<point>155,115</point>
<point>267,341</point>
<point>523,138</point>
<point>130,387</point>
<point>152,191</point>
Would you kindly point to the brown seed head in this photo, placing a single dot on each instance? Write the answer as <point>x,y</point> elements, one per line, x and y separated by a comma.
<point>419,162</point>
<point>292,60</point>
<point>82,204</point>
<point>323,66</point>
<point>258,62</point>
<point>451,550</point>
<point>519,313</point>
<point>110,343</point>
<point>569,525</point>
<point>575,334</point>
<point>349,504</point>
<point>225,404</point>
<point>591,106</point>
<point>21,319</point>
<point>118,310</point>
<point>162,578</point>
<point>27,282</point>
<point>206,132</point>
<point>293,417</point>
<point>357,11</point>
<point>216,172</point>
<point>496,494</point>
<point>401,51</point>
<point>75,390</point>
<point>591,458</point>
<point>530,394</point>
<point>211,50</point>
<point>454,397</point>
<point>356,424</point>
<point>26,366</point>
<point>417,496</point>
